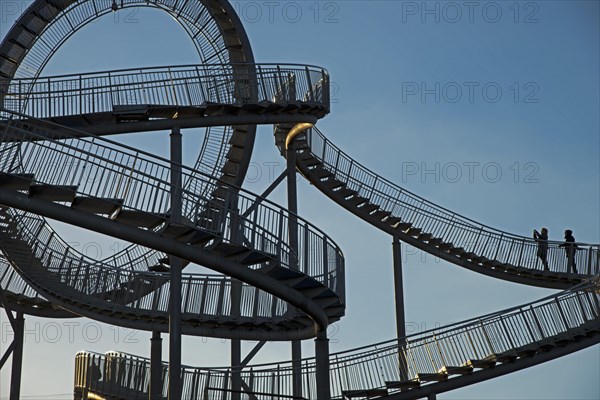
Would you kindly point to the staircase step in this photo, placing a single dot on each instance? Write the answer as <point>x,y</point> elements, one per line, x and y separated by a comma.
<point>412,231</point>
<point>59,193</point>
<point>200,237</point>
<point>369,207</point>
<point>527,351</point>
<point>175,231</point>
<point>445,246</point>
<point>315,292</point>
<point>434,241</point>
<point>15,181</point>
<point>334,184</point>
<point>368,393</point>
<point>450,370</point>
<point>483,364</point>
<point>159,268</point>
<point>97,205</point>
<point>256,257</point>
<point>380,215</point>
<point>358,200</point>
<point>229,249</point>
<point>508,356</point>
<point>424,236</point>
<point>346,192</point>
<point>323,174</point>
<point>403,385</point>
<point>309,161</point>
<point>403,226</point>
<point>140,219</point>
<point>432,377</point>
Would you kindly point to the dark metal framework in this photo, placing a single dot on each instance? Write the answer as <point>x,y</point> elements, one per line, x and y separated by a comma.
<point>283,278</point>
<point>438,360</point>
<point>432,228</point>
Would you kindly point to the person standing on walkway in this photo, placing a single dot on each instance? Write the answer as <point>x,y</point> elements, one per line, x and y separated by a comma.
<point>542,251</point>
<point>570,249</point>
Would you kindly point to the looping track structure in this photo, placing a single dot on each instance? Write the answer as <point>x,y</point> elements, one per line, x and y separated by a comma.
<point>278,277</point>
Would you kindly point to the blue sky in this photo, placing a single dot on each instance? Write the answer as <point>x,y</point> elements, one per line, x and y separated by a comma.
<point>403,106</point>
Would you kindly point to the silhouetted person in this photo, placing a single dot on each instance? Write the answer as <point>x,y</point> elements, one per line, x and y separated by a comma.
<point>570,249</point>
<point>95,373</point>
<point>542,251</point>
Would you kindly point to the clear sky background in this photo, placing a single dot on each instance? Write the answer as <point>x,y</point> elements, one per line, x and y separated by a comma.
<point>529,128</point>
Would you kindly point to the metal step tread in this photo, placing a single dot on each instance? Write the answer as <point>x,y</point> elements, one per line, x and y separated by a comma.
<point>368,393</point>
<point>454,370</point>
<point>15,181</point>
<point>140,219</point>
<point>60,193</point>
<point>483,364</point>
<point>409,384</point>
<point>432,377</point>
<point>97,205</point>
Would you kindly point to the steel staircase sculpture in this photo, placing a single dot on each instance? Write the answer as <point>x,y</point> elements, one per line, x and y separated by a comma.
<point>269,288</point>
<point>435,360</point>
<point>430,227</point>
<point>232,229</point>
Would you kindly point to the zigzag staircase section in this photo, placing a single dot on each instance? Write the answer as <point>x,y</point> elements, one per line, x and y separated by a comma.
<point>232,228</point>
<point>429,227</point>
<point>23,298</point>
<point>433,361</point>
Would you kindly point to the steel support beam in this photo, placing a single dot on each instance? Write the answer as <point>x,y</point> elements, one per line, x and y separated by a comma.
<point>109,126</point>
<point>266,193</point>
<point>15,348</point>
<point>7,354</point>
<point>322,365</point>
<point>236,369</point>
<point>253,352</point>
<point>153,240</point>
<point>17,358</point>
<point>399,301</point>
<point>156,366</point>
<point>292,192</point>
<point>176,265</point>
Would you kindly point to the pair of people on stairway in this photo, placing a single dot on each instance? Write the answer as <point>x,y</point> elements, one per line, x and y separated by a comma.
<point>569,245</point>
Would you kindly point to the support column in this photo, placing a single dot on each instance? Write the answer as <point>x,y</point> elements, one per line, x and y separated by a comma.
<point>17,357</point>
<point>236,371</point>
<point>175,274</point>
<point>399,300</point>
<point>292,191</point>
<point>156,366</point>
<point>322,365</point>
<point>297,368</point>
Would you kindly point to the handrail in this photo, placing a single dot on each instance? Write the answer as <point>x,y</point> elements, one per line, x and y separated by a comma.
<point>128,290</point>
<point>151,186</point>
<point>524,327</point>
<point>476,238</point>
<point>106,161</point>
<point>177,86</point>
